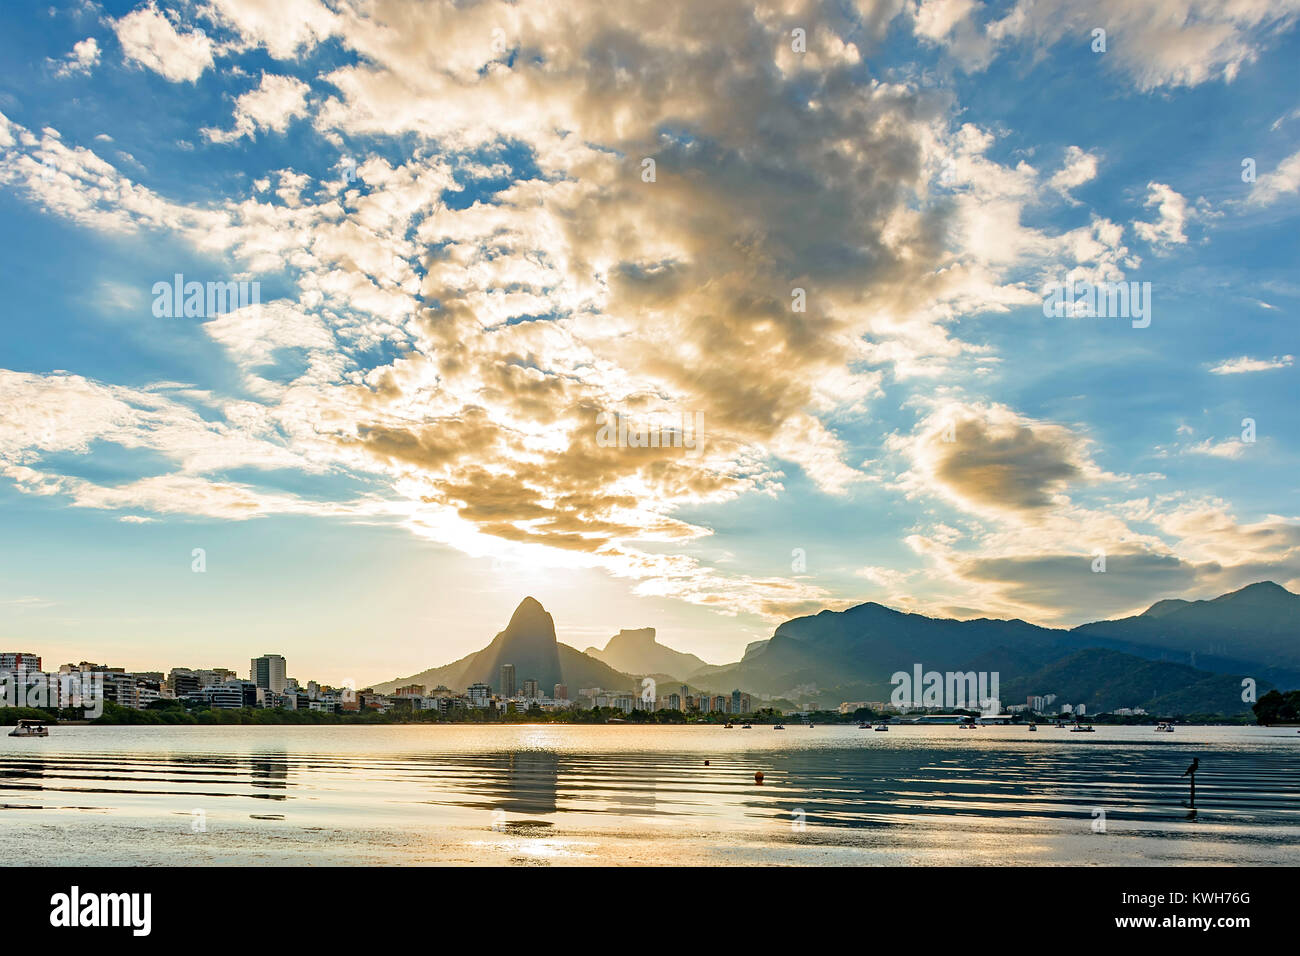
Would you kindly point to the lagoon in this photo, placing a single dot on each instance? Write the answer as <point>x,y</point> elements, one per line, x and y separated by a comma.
<point>552,794</point>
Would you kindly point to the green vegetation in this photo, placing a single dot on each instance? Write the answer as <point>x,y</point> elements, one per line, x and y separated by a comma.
<point>1278,708</point>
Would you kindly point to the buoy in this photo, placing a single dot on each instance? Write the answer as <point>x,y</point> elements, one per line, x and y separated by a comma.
<point>758,778</point>
<point>706,763</point>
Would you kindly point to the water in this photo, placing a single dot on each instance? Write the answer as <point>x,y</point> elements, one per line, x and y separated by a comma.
<point>555,795</point>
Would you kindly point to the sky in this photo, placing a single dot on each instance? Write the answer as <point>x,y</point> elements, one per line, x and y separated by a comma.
<point>823,237</point>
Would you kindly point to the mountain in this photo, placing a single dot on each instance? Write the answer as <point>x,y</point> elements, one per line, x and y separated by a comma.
<point>1166,656</point>
<point>529,643</point>
<point>1254,630</point>
<point>1106,679</point>
<point>637,652</point>
<point>846,655</point>
<point>1175,657</point>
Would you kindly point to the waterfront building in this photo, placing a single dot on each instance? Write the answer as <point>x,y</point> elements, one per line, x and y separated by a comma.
<point>268,671</point>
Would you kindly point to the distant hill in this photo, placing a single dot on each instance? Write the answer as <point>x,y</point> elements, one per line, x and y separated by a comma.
<point>1255,631</point>
<point>850,655</point>
<point>1106,679</point>
<point>637,652</point>
<point>529,643</point>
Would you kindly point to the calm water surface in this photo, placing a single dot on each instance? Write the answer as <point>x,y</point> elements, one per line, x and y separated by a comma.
<point>564,795</point>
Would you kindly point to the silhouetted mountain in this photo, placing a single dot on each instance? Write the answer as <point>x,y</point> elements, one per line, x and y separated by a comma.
<point>1252,631</point>
<point>529,643</point>
<point>1105,679</point>
<point>637,652</point>
<point>851,654</point>
<point>1173,657</point>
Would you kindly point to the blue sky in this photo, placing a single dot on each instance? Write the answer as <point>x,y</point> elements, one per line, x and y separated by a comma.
<point>461,263</point>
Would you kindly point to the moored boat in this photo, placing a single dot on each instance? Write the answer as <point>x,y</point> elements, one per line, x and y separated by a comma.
<point>30,728</point>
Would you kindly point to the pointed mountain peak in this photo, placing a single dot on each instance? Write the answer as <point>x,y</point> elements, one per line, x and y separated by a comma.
<point>529,609</point>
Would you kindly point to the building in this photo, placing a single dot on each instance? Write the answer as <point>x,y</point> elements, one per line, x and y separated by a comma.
<point>674,702</point>
<point>561,692</point>
<point>410,690</point>
<point>720,704</point>
<point>530,691</point>
<point>19,660</point>
<point>507,680</point>
<point>183,682</point>
<point>480,695</point>
<point>268,671</point>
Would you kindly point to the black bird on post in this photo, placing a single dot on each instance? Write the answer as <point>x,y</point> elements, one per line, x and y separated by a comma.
<point>1191,772</point>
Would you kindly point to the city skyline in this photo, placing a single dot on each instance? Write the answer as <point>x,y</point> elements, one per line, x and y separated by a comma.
<point>338,329</point>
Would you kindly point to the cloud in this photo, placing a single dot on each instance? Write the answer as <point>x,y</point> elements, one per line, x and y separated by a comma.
<point>148,37</point>
<point>991,460</point>
<point>454,355</point>
<point>83,58</point>
<point>286,29</point>
<point>276,101</point>
<point>1155,43</point>
<point>1283,181</point>
<point>1244,364</point>
<point>1080,167</point>
<point>1172,215</point>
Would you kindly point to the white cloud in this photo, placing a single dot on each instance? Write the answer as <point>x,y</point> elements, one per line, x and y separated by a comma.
<point>1244,364</point>
<point>149,38</point>
<point>1283,181</point>
<point>1168,229</point>
<point>276,101</point>
<point>83,58</point>
<point>1156,43</point>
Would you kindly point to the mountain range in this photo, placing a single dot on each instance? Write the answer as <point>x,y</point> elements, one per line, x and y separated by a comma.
<point>1175,657</point>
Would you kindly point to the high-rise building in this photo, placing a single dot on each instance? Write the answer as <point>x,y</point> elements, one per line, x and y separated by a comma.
<point>479,695</point>
<point>268,671</point>
<point>16,660</point>
<point>530,690</point>
<point>561,692</point>
<point>507,680</point>
<point>735,702</point>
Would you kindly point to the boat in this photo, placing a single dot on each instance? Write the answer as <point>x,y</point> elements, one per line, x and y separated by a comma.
<point>863,726</point>
<point>881,727</point>
<point>811,726</point>
<point>727,726</point>
<point>1164,728</point>
<point>30,728</point>
<point>747,727</point>
<point>779,727</point>
<point>1033,726</point>
<point>1082,729</point>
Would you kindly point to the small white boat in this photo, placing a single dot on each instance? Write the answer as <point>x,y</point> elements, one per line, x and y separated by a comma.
<point>881,727</point>
<point>1164,728</point>
<point>779,727</point>
<point>30,728</point>
<point>747,727</point>
<point>1082,729</point>
<point>1033,726</point>
<point>864,726</point>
